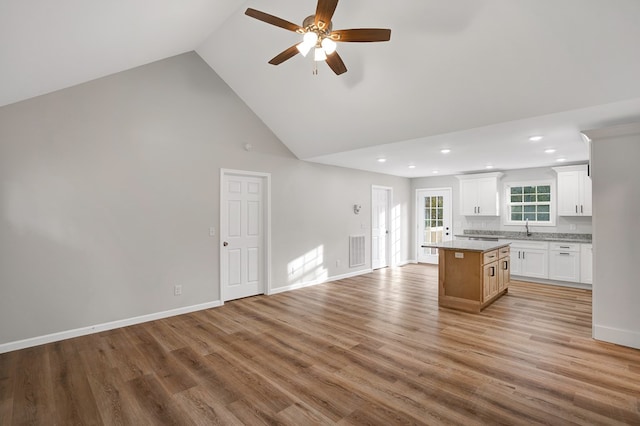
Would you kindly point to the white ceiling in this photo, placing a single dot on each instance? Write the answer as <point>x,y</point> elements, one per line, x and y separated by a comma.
<point>475,76</point>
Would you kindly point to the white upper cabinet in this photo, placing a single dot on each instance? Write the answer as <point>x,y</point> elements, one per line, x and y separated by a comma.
<point>479,194</point>
<point>574,191</point>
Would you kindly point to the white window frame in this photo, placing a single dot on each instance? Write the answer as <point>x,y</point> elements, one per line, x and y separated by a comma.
<point>507,202</point>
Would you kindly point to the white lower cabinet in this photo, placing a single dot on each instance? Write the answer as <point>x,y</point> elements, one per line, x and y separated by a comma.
<point>564,262</point>
<point>530,259</point>
<point>586,263</point>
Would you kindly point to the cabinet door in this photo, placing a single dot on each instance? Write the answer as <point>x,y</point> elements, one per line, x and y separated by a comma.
<point>469,197</point>
<point>569,187</point>
<point>586,264</point>
<point>534,263</point>
<point>564,266</point>
<point>487,197</point>
<point>490,281</point>
<point>505,273</point>
<point>516,261</point>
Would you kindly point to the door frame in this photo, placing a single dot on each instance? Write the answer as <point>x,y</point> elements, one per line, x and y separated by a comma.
<point>266,177</point>
<point>449,190</point>
<point>389,237</point>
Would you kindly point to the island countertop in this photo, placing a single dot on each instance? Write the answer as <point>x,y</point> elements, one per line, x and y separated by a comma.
<point>468,245</point>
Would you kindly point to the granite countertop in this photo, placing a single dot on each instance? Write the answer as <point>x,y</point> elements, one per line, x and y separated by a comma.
<point>535,236</point>
<point>469,245</point>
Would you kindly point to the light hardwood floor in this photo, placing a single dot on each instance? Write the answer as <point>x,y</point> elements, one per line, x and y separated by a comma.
<point>374,349</point>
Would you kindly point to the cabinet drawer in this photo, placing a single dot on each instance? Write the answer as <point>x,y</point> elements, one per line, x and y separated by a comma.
<point>564,247</point>
<point>503,252</point>
<point>490,256</point>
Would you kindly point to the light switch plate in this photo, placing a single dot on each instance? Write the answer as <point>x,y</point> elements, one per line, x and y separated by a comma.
<point>212,231</point>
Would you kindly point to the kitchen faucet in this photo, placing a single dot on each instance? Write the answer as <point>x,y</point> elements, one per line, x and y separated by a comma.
<point>526,225</point>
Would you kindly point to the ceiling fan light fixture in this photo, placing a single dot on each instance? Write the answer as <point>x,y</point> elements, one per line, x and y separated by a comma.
<point>319,54</point>
<point>329,46</point>
<point>308,41</point>
<point>304,48</point>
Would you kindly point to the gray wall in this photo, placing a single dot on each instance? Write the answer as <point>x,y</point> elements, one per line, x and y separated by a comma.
<point>616,236</point>
<point>108,190</point>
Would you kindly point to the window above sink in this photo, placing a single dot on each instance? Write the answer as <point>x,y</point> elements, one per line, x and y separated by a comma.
<point>531,202</point>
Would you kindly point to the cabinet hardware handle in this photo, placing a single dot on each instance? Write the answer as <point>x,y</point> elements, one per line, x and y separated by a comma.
<point>581,208</point>
<point>506,265</point>
<point>523,255</point>
<point>493,271</point>
<point>576,208</point>
<point>567,247</point>
<point>565,254</point>
<point>518,254</point>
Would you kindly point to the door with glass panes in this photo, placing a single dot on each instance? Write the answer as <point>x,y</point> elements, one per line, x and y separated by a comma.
<point>434,221</point>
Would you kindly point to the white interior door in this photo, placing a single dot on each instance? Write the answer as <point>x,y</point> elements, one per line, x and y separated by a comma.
<point>380,219</point>
<point>434,221</point>
<point>242,235</point>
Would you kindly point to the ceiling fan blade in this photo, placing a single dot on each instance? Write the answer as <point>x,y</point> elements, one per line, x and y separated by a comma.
<point>362,35</point>
<point>273,20</point>
<point>335,63</point>
<point>324,12</point>
<point>284,55</point>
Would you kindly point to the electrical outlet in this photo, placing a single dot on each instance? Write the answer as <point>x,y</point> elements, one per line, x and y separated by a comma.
<point>573,227</point>
<point>212,231</point>
<point>177,290</point>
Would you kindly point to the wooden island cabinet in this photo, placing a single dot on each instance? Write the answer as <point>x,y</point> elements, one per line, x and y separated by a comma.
<point>472,274</point>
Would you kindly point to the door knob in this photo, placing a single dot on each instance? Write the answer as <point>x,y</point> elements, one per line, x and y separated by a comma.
<point>225,244</point>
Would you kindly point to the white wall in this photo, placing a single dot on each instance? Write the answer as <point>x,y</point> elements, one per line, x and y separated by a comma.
<point>108,190</point>
<point>583,225</point>
<point>616,236</point>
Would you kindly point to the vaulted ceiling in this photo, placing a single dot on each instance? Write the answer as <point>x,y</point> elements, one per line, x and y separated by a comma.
<point>474,76</point>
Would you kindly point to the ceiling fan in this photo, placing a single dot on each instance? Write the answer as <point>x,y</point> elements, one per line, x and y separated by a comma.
<point>319,35</point>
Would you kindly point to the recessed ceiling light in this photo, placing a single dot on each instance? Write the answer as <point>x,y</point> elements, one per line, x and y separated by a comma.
<point>561,160</point>
<point>488,166</point>
<point>549,151</point>
<point>536,138</point>
<point>412,166</point>
<point>445,151</point>
<point>435,172</point>
<point>381,160</point>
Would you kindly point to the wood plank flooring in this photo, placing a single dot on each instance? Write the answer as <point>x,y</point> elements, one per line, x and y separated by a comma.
<point>373,349</point>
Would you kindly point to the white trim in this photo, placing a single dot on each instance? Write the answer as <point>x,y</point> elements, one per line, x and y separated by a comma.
<point>618,336</point>
<point>389,225</point>
<point>97,328</point>
<point>320,281</point>
<point>267,213</point>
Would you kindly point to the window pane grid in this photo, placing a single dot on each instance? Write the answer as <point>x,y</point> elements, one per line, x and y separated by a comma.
<point>433,221</point>
<point>530,203</point>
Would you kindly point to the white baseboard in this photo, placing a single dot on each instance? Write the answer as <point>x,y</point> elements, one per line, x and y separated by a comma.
<point>618,336</point>
<point>83,331</point>
<point>319,281</point>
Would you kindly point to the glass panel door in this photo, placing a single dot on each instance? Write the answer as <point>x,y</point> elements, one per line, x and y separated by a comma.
<point>434,221</point>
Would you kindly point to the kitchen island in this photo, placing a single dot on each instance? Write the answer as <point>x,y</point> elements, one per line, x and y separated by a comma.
<point>472,274</point>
